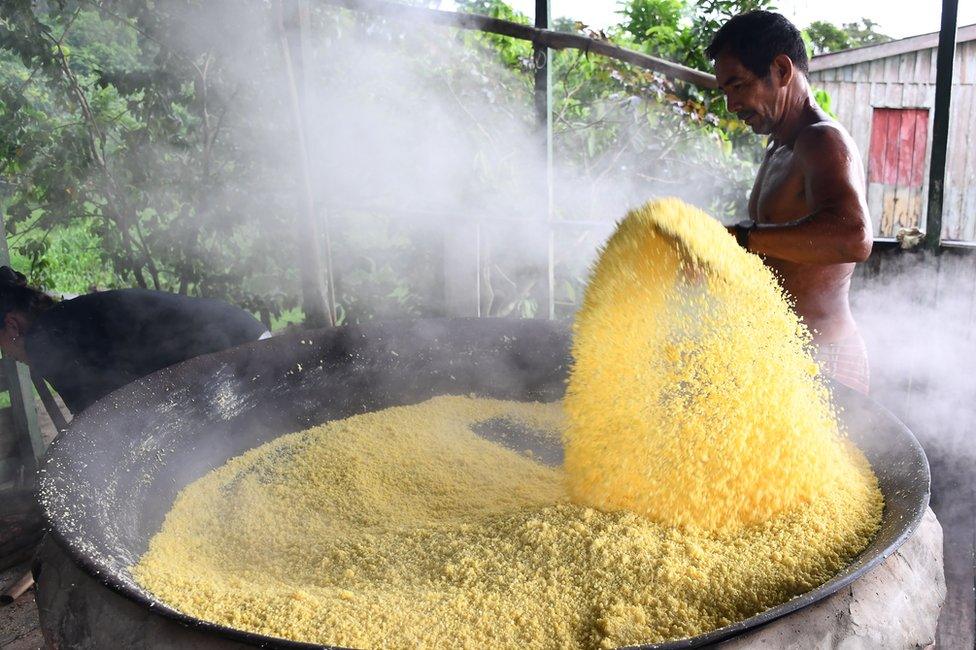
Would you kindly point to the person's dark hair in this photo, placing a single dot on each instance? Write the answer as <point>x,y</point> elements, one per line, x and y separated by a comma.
<point>15,295</point>
<point>758,37</point>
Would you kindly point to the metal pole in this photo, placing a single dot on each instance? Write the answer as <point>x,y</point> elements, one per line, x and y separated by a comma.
<point>543,107</point>
<point>543,77</point>
<point>940,124</point>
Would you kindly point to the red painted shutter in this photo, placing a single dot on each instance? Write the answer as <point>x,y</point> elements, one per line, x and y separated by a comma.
<point>879,133</point>
<point>896,167</point>
<point>921,142</point>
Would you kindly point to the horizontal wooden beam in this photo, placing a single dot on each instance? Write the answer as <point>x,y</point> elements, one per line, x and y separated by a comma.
<point>542,37</point>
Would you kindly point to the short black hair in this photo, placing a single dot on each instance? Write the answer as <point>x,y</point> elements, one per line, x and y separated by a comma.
<point>758,37</point>
<point>15,295</point>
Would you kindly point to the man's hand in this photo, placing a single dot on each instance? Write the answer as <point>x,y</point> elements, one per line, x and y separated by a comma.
<point>741,231</point>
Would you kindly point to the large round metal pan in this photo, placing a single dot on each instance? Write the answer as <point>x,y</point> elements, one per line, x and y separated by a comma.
<point>109,480</point>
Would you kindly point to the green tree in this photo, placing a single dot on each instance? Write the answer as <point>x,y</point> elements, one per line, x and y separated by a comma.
<point>115,124</point>
<point>865,33</point>
<point>827,37</point>
<point>681,31</point>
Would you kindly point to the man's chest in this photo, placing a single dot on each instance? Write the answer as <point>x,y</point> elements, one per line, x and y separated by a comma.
<point>779,193</point>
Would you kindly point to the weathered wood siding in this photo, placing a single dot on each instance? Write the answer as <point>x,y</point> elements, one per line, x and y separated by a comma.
<point>896,166</point>
<point>908,81</point>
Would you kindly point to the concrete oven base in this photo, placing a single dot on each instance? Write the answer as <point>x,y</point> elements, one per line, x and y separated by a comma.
<point>894,606</point>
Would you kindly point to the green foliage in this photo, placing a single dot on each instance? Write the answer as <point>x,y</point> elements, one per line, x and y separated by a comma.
<point>605,110</point>
<point>380,263</point>
<point>691,26</point>
<point>681,31</point>
<point>824,101</point>
<point>68,259</point>
<point>865,33</point>
<point>657,24</point>
<point>827,37</point>
<point>126,132</point>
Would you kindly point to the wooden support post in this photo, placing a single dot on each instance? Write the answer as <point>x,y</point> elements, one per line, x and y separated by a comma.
<point>24,414</point>
<point>317,302</point>
<point>940,124</point>
<point>321,214</point>
<point>551,268</point>
<point>50,404</point>
<point>23,411</point>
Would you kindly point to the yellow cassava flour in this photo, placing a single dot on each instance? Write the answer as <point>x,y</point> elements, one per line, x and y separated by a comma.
<point>694,396</point>
<point>403,528</point>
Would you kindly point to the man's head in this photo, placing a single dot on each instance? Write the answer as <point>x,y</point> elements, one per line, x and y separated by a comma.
<point>757,56</point>
<point>19,306</point>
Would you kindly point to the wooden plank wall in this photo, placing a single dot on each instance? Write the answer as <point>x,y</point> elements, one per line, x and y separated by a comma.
<point>961,172</point>
<point>908,81</point>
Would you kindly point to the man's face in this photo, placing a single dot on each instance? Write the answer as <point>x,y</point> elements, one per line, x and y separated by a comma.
<point>755,100</point>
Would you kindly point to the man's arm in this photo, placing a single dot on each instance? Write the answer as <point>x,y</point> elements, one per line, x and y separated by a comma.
<point>836,230</point>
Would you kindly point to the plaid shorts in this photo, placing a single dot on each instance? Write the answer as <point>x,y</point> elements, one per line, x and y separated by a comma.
<point>846,362</point>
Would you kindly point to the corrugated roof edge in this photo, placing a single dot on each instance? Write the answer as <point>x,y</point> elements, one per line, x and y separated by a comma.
<point>884,50</point>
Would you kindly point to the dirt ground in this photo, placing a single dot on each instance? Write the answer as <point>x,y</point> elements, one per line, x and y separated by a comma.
<point>19,627</point>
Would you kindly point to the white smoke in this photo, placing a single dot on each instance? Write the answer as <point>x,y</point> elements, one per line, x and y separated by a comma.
<point>422,127</point>
<point>916,314</point>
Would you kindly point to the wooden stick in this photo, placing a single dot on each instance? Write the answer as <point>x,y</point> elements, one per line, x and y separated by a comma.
<point>544,37</point>
<point>17,589</point>
<point>50,405</point>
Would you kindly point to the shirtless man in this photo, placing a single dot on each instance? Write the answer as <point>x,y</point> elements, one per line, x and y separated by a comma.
<point>808,216</point>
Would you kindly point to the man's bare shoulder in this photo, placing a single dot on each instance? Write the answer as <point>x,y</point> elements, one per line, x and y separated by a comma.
<point>827,137</point>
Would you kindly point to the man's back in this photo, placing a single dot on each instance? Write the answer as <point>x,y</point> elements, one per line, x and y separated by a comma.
<point>91,345</point>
